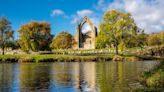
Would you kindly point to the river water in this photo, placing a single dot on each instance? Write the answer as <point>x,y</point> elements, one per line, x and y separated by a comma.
<point>71,76</point>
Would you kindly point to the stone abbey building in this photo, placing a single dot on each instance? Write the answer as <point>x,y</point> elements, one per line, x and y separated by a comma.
<point>85,40</point>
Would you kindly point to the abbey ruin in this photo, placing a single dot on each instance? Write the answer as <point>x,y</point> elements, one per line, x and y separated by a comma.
<point>85,40</point>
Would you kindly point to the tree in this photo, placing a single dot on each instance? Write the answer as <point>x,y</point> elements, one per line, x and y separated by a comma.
<point>154,39</point>
<point>162,37</point>
<point>139,40</point>
<point>35,36</point>
<point>142,39</point>
<point>6,33</point>
<point>102,41</point>
<point>63,40</point>
<point>118,28</point>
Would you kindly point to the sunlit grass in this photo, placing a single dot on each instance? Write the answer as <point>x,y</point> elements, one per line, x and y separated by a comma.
<point>53,56</point>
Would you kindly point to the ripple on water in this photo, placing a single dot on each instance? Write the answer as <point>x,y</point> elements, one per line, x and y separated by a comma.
<point>72,76</point>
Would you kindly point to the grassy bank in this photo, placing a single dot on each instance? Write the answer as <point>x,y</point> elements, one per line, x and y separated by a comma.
<point>72,58</point>
<point>54,58</point>
<point>153,80</point>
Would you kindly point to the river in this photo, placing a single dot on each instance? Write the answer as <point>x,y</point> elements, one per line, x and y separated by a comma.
<point>71,76</point>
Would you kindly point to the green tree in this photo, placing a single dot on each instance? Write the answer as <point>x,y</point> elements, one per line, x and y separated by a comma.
<point>142,39</point>
<point>139,40</point>
<point>118,28</point>
<point>6,33</point>
<point>102,41</point>
<point>63,40</point>
<point>35,36</point>
<point>12,44</point>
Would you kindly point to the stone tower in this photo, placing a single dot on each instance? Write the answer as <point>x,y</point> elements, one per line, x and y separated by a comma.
<point>85,40</point>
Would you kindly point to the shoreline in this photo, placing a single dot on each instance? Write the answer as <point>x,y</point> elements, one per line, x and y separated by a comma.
<point>73,58</point>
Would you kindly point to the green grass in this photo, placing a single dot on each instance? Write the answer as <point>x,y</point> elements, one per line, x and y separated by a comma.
<point>9,56</point>
<point>38,57</point>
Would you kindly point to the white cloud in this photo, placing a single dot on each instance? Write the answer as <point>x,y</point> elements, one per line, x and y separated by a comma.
<point>151,13</point>
<point>101,2</point>
<point>148,14</point>
<point>81,14</point>
<point>57,12</point>
<point>86,28</point>
<point>84,13</point>
<point>115,5</point>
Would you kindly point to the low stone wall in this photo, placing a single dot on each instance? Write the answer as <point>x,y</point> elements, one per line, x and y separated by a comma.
<point>13,52</point>
<point>85,52</point>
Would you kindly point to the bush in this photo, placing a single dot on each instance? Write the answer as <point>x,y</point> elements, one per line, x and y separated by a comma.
<point>155,77</point>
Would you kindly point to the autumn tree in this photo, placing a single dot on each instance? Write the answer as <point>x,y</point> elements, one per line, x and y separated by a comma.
<point>63,40</point>
<point>161,35</point>
<point>116,28</point>
<point>6,33</point>
<point>154,39</point>
<point>35,36</point>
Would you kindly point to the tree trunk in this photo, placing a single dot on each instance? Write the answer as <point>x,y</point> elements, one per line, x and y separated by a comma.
<point>3,47</point>
<point>3,50</point>
<point>116,46</point>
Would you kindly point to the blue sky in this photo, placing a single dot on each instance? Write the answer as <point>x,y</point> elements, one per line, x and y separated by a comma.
<point>64,14</point>
<point>24,11</point>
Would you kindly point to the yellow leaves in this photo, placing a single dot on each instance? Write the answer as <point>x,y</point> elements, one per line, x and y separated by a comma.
<point>35,26</point>
<point>115,25</point>
<point>39,32</point>
<point>62,41</point>
<point>154,39</point>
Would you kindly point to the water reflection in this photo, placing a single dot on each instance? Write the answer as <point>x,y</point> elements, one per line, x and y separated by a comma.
<point>88,76</point>
<point>81,76</point>
<point>71,77</point>
<point>34,77</point>
<point>8,79</point>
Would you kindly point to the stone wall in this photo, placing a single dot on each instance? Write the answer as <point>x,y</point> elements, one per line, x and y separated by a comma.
<point>85,40</point>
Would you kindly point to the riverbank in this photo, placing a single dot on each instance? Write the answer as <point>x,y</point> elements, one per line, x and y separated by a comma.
<point>73,58</point>
<point>152,80</point>
<point>53,58</point>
